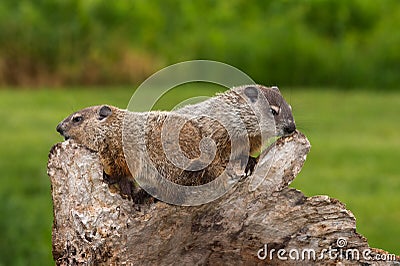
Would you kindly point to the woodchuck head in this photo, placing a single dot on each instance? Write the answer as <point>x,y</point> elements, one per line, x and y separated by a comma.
<point>278,107</point>
<point>281,111</point>
<point>93,127</point>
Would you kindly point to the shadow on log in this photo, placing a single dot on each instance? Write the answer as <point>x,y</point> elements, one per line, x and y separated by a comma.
<point>260,221</point>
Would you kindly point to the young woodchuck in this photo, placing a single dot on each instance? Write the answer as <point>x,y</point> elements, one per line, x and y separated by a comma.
<point>190,146</point>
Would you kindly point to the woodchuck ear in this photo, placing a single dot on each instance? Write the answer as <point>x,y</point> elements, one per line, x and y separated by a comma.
<point>252,93</point>
<point>104,112</point>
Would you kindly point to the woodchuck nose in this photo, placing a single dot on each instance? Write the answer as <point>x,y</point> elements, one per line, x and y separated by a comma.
<point>190,146</point>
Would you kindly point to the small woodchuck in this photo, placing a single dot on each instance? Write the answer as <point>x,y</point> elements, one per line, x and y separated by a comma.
<point>190,146</point>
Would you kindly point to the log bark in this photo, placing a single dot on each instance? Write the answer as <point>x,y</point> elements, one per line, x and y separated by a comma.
<point>260,221</point>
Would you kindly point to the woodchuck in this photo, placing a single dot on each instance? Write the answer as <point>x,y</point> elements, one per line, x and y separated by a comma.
<point>190,146</point>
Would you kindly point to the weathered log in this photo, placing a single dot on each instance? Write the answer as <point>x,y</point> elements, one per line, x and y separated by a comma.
<point>259,221</point>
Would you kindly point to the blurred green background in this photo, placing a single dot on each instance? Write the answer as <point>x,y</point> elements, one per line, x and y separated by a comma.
<point>337,63</point>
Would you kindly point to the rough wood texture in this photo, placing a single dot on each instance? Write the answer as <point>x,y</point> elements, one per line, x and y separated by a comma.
<point>94,225</point>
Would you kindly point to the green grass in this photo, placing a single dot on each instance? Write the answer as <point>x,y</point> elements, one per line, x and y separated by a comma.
<point>354,157</point>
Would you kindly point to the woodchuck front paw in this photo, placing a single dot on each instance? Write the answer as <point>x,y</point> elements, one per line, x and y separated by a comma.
<point>128,189</point>
<point>251,164</point>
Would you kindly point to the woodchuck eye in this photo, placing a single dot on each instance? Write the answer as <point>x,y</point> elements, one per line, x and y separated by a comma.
<point>77,119</point>
<point>251,93</point>
<point>275,110</point>
<point>104,112</point>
